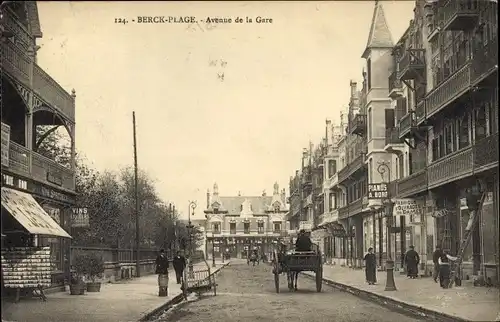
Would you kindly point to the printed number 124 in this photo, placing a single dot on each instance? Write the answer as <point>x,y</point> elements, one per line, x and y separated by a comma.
<point>120,20</point>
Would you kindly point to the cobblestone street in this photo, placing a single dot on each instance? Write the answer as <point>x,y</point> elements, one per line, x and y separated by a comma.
<point>247,293</point>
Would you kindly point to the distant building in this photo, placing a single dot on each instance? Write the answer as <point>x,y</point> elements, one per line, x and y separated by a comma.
<point>241,223</point>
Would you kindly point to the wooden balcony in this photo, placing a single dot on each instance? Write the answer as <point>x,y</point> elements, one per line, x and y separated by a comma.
<point>450,168</point>
<point>485,153</point>
<point>485,63</point>
<point>420,112</point>
<point>460,15</point>
<point>392,137</point>
<point>405,124</point>
<point>22,37</point>
<point>352,209</point>
<point>414,183</point>
<point>357,164</point>
<point>357,125</point>
<point>52,93</point>
<point>395,86</point>
<point>344,212</point>
<point>15,62</point>
<point>448,91</point>
<point>412,64</point>
<point>42,169</point>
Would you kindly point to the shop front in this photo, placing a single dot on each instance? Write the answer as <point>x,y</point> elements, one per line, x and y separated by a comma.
<point>35,215</point>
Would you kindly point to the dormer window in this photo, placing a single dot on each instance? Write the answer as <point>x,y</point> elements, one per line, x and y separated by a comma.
<point>276,208</point>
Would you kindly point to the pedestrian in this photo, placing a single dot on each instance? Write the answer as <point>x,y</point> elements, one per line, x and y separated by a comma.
<point>444,268</point>
<point>179,264</point>
<point>303,242</point>
<point>435,259</point>
<point>412,260</point>
<point>370,267</point>
<point>162,271</point>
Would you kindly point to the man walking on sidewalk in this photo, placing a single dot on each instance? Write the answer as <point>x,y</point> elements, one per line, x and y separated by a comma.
<point>179,263</point>
<point>435,259</point>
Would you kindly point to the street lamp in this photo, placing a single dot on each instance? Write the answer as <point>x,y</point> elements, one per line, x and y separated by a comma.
<point>390,285</point>
<point>192,207</point>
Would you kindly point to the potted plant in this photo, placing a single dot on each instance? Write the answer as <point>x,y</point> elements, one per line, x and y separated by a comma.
<point>94,269</point>
<point>77,285</point>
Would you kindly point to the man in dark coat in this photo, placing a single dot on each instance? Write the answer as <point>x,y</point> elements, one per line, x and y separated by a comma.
<point>303,242</point>
<point>179,263</point>
<point>162,263</point>
<point>412,260</point>
<point>370,267</point>
<point>435,259</point>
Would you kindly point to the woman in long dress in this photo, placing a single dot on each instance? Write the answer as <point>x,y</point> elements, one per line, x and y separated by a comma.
<point>370,267</point>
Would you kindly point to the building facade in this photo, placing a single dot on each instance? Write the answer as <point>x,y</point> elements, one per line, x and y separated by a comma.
<point>446,67</point>
<point>242,223</point>
<point>32,98</point>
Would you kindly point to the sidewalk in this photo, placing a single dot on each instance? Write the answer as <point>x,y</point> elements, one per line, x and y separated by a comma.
<point>466,302</point>
<point>119,302</point>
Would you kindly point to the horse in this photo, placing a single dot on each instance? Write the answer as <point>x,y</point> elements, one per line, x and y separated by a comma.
<point>292,277</point>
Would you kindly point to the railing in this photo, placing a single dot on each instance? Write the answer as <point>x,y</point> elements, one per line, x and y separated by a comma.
<point>15,62</point>
<point>352,167</point>
<point>485,61</point>
<point>392,136</point>
<point>485,151</point>
<point>356,207</point>
<point>394,82</point>
<point>412,184</point>
<point>420,111</point>
<point>449,90</point>
<point>120,255</point>
<point>454,9</point>
<point>43,168</point>
<point>405,124</point>
<point>358,124</point>
<point>411,59</point>
<point>451,168</point>
<point>51,92</point>
<point>343,212</point>
<point>21,35</point>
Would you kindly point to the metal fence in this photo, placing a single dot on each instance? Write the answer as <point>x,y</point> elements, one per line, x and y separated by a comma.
<point>115,255</point>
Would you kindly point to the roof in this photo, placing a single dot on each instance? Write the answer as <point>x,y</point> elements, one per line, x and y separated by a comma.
<point>259,204</point>
<point>380,35</point>
<point>33,18</point>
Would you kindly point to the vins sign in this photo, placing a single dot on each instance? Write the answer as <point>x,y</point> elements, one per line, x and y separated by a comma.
<point>377,191</point>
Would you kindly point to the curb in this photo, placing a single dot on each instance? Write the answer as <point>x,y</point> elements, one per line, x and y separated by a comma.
<point>173,301</point>
<point>392,303</point>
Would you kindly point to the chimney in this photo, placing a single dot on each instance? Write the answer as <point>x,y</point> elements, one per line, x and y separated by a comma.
<point>283,196</point>
<point>354,85</point>
<point>208,198</point>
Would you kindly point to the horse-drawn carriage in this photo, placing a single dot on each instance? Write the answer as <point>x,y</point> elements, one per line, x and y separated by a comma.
<point>294,262</point>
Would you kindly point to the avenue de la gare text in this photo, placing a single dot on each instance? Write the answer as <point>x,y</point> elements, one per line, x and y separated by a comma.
<point>192,19</point>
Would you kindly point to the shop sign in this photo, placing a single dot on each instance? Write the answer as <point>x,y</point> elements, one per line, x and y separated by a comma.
<point>80,217</point>
<point>5,144</point>
<point>49,193</point>
<point>409,207</point>
<point>377,191</point>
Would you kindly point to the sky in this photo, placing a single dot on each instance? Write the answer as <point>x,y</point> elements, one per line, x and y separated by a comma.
<point>245,131</point>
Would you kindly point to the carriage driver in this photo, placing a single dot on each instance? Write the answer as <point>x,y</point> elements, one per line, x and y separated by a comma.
<point>303,242</point>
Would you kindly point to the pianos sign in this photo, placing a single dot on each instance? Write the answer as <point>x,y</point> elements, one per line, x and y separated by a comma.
<point>377,191</point>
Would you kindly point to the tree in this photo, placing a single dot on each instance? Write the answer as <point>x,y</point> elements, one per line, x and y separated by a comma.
<point>187,242</point>
<point>51,142</point>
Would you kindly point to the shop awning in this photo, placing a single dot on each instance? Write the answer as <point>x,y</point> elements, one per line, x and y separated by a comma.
<point>24,208</point>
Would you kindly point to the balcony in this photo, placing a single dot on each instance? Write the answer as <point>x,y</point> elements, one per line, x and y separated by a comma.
<point>352,209</point>
<point>15,62</point>
<point>344,212</point>
<point>460,15</point>
<point>52,93</point>
<point>485,153</point>
<point>357,125</point>
<point>412,184</point>
<point>448,91</point>
<point>392,137</point>
<point>420,112</point>
<point>395,86</point>
<point>306,180</point>
<point>412,64</point>
<point>42,169</point>
<point>405,125</point>
<point>485,62</point>
<point>450,168</point>
<point>22,37</point>
<point>351,168</point>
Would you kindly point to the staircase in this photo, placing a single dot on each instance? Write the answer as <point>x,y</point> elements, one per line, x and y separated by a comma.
<point>456,266</point>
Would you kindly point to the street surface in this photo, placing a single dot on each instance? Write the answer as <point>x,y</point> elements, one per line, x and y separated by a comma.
<point>247,293</point>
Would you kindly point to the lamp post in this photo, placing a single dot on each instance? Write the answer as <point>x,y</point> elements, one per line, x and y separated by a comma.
<point>192,207</point>
<point>390,285</point>
<point>213,249</point>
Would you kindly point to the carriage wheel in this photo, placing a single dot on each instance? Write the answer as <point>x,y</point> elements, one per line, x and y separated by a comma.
<point>319,279</point>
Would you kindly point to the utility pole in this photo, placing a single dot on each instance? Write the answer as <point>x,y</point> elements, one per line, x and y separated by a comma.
<point>137,235</point>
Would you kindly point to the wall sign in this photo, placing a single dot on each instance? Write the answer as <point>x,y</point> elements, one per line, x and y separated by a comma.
<point>80,217</point>
<point>377,191</point>
<point>55,178</point>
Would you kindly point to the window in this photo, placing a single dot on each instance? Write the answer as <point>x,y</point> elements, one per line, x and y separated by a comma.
<point>463,131</point>
<point>448,138</point>
<point>332,167</point>
<point>246,228</point>
<point>56,256</point>
<point>277,227</point>
<point>401,161</point>
<point>260,227</point>
<point>369,126</point>
<point>232,228</point>
<point>370,170</point>
<point>369,72</point>
<point>480,123</point>
<point>216,228</point>
<point>435,149</point>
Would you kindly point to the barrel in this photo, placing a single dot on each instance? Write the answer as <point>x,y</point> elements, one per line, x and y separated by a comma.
<point>163,280</point>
